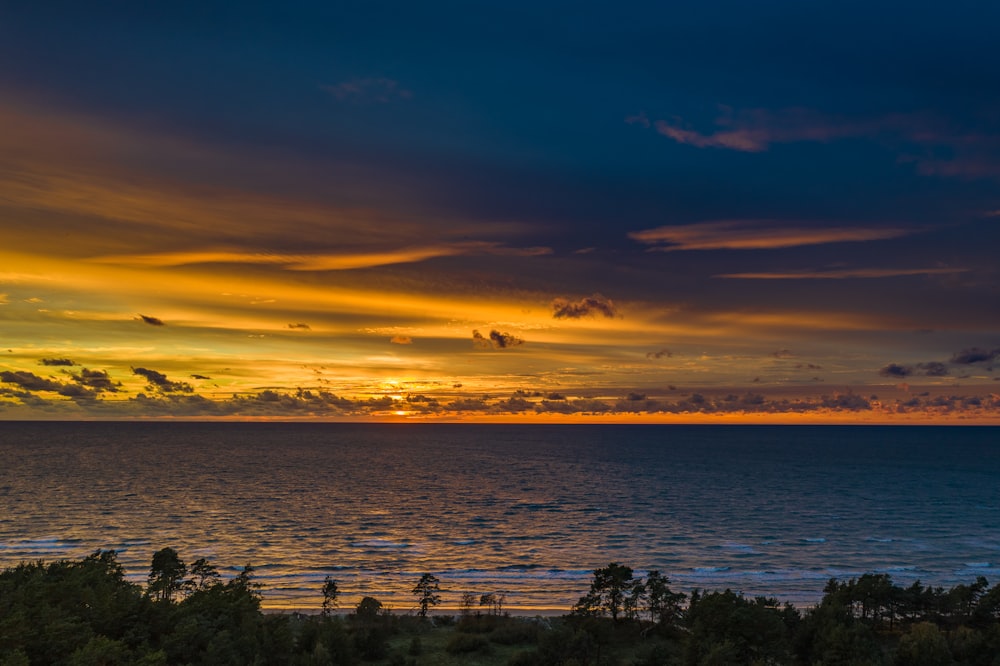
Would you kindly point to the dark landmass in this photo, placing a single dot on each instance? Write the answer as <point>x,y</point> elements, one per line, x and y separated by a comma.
<point>87,613</point>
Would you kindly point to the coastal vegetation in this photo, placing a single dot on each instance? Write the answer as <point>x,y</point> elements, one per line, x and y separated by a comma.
<point>87,612</point>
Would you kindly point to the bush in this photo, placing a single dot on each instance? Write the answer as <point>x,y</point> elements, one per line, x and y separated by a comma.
<point>443,620</point>
<point>466,643</point>
<point>515,632</point>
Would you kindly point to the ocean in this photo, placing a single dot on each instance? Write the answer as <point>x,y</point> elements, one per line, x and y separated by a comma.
<point>525,510</point>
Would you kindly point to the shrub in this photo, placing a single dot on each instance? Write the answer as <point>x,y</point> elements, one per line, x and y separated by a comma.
<point>465,643</point>
<point>515,632</point>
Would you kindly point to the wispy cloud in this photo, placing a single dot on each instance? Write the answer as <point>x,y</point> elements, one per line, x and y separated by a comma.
<point>841,273</point>
<point>376,89</point>
<point>755,235</point>
<point>917,137</point>
<point>756,130</point>
<point>588,306</point>
<point>401,340</point>
<point>341,261</point>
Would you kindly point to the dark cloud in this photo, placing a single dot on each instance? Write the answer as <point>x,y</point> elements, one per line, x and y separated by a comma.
<point>56,362</point>
<point>933,368</point>
<point>591,305</point>
<point>152,321</point>
<point>30,381</point>
<point>659,354</point>
<point>77,391</point>
<point>974,355</point>
<point>300,326</point>
<point>782,353</point>
<point>159,381</point>
<point>808,366</point>
<point>200,377</point>
<point>496,340</point>
<point>896,371</point>
<point>98,380</point>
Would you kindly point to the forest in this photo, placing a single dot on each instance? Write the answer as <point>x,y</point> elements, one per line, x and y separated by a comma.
<point>87,612</point>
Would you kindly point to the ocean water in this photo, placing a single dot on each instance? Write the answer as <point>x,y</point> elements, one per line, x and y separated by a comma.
<point>526,510</point>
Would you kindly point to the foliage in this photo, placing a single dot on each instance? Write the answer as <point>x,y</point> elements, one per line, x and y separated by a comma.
<point>612,589</point>
<point>87,613</point>
<point>330,594</point>
<point>426,590</point>
<point>166,574</point>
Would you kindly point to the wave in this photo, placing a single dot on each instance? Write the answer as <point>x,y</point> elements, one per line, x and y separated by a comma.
<point>380,543</point>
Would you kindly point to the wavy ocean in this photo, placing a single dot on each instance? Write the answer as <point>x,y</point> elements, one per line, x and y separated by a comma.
<point>526,510</point>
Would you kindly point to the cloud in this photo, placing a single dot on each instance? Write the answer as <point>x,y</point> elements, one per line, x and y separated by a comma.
<point>934,145</point>
<point>754,235</point>
<point>659,354</point>
<point>378,89</point>
<point>401,340</point>
<point>200,377</point>
<point>782,353</point>
<point>756,130</point>
<point>933,369</point>
<point>4,299</point>
<point>896,371</point>
<point>638,119</point>
<point>56,361</point>
<point>30,381</point>
<point>300,326</point>
<point>974,355</point>
<point>321,261</point>
<point>152,321</point>
<point>159,381</point>
<point>808,366</point>
<point>496,340</point>
<point>98,380</point>
<point>589,306</point>
<point>842,274</point>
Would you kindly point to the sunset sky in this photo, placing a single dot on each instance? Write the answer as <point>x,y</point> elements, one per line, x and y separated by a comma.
<point>733,211</point>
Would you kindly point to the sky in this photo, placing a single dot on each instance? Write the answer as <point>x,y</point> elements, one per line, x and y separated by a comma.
<point>538,211</point>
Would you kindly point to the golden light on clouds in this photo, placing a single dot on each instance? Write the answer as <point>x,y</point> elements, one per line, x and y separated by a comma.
<point>256,289</point>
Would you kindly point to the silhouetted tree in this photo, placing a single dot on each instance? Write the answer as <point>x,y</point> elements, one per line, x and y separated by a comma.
<point>495,601</point>
<point>608,591</point>
<point>427,593</point>
<point>166,574</point>
<point>203,575</point>
<point>664,604</point>
<point>330,593</point>
<point>468,601</point>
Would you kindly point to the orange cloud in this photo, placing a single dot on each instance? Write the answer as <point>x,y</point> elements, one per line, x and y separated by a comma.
<point>842,274</point>
<point>755,235</point>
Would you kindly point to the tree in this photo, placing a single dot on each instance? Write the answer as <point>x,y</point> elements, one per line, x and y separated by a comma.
<point>664,603</point>
<point>494,600</point>
<point>427,593</point>
<point>166,574</point>
<point>468,601</point>
<point>368,608</point>
<point>203,575</point>
<point>608,591</point>
<point>330,593</point>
